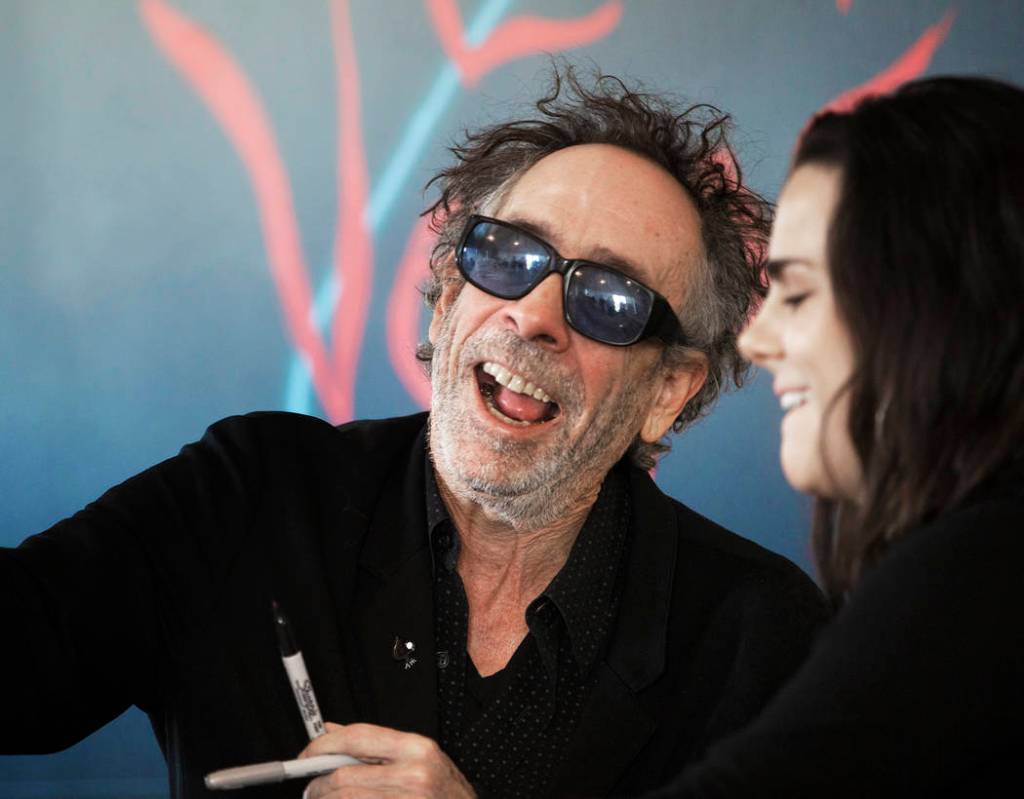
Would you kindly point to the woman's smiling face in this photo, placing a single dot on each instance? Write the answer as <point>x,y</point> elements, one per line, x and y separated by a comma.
<point>799,337</point>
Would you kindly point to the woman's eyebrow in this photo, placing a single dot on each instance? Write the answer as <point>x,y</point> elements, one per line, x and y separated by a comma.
<point>776,266</point>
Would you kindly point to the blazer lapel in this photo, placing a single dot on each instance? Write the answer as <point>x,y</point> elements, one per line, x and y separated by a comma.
<point>341,554</point>
<point>403,683</point>
<point>395,601</point>
<point>615,726</point>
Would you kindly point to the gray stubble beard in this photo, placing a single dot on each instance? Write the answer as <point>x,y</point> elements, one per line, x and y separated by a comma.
<point>561,472</point>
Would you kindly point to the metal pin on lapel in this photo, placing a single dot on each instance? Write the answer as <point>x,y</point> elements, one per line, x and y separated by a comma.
<point>403,651</point>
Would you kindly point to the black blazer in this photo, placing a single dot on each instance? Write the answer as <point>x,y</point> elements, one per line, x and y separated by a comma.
<point>159,594</point>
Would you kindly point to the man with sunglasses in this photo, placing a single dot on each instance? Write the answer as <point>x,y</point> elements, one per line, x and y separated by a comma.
<point>495,598</point>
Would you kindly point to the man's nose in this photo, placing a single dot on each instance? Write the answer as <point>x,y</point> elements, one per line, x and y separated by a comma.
<point>538,317</point>
<point>759,341</point>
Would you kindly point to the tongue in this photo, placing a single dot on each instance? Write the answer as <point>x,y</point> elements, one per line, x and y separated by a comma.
<point>519,406</point>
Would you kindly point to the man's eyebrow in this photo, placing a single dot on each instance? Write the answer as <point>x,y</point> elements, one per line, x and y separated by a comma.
<point>600,253</point>
<point>776,266</point>
<point>538,229</point>
<point>609,258</point>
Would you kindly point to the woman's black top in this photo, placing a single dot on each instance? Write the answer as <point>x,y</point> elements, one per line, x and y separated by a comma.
<point>915,688</point>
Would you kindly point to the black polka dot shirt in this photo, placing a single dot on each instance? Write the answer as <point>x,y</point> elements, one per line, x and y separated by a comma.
<point>507,732</point>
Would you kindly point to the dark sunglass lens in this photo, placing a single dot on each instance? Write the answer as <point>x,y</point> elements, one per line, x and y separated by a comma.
<point>502,260</point>
<point>607,306</point>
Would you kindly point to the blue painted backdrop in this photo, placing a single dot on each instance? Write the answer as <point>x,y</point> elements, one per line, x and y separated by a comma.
<point>209,207</point>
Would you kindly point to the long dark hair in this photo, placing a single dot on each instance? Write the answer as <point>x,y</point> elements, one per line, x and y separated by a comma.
<point>926,256</point>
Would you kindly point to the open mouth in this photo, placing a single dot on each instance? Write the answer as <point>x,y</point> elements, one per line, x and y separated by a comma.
<point>512,398</point>
<point>792,399</point>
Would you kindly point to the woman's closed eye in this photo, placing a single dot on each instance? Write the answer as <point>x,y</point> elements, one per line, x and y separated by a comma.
<point>794,300</point>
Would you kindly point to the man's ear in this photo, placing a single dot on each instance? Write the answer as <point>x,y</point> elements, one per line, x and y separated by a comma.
<point>678,386</point>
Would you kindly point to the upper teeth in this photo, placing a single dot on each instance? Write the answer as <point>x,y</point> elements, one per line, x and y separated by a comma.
<point>514,382</point>
<point>790,399</point>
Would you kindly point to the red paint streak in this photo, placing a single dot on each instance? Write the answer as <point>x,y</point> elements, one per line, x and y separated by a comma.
<point>236,106</point>
<point>404,309</point>
<point>353,247</point>
<point>844,6</point>
<point>912,64</point>
<point>518,37</point>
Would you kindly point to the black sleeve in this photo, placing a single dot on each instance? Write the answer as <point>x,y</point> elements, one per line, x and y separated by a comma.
<point>767,625</point>
<point>914,689</point>
<point>96,608</point>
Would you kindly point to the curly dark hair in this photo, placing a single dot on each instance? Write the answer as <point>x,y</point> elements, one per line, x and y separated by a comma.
<point>690,144</point>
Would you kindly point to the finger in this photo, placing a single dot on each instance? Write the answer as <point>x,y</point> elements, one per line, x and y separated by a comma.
<point>325,743</point>
<point>346,793</point>
<point>329,727</point>
<point>406,778</point>
<point>370,742</point>
<point>433,777</point>
<point>368,781</point>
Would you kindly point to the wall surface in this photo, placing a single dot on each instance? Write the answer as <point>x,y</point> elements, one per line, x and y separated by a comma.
<point>210,207</point>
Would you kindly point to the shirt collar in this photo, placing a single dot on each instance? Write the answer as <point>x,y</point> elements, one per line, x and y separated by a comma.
<point>441,532</point>
<point>584,592</point>
<point>586,589</point>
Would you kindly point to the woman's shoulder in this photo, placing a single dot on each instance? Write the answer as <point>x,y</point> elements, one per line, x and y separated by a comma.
<point>984,533</point>
<point>954,580</point>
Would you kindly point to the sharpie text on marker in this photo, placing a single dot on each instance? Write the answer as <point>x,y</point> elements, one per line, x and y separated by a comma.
<point>295,667</point>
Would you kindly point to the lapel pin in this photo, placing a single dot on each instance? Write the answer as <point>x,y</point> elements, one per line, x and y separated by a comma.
<point>403,651</point>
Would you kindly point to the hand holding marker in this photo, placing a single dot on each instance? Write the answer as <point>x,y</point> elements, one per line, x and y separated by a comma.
<point>276,771</point>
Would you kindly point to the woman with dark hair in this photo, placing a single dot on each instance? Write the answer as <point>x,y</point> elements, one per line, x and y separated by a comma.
<point>894,328</point>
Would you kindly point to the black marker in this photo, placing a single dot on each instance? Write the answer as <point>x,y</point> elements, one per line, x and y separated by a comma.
<point>297,675</point>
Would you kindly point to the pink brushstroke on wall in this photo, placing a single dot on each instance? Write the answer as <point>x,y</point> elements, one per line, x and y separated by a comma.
<point>912,64</point>
<point>517,37</point>
<point>353,245</point>
<point>237,108</point>
<point>405,307</point>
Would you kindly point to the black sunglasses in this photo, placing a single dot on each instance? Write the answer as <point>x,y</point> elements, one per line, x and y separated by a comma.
<point>598,301</point>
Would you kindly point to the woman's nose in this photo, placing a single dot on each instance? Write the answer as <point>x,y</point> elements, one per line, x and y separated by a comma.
<point>759,340</point>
